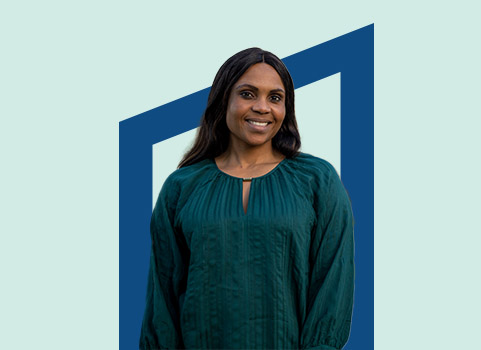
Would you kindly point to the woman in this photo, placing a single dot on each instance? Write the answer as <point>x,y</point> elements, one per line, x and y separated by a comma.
<point>252,241</point>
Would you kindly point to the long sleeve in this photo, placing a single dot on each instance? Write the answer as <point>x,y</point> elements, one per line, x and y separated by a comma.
<point>167,277</point>
<point>331,257</point>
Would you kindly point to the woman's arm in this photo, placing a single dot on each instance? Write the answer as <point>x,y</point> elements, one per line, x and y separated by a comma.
<point>330,295</point>
<point>167,278</point>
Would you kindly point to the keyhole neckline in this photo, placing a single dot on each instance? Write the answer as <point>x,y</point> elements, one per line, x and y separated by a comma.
<point>249,179</point>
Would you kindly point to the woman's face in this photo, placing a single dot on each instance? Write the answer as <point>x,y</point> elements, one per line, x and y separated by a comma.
<point>256,107</point>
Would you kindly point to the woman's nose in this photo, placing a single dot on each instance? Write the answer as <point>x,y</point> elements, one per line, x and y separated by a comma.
<point>261,106</point>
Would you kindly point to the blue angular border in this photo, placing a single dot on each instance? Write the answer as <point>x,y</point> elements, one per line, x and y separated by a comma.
<point>352,55</point>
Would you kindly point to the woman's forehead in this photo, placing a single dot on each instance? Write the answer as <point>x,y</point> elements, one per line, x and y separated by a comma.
<point>261,74</point>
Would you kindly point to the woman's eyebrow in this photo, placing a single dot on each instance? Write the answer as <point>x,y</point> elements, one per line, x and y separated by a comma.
<point>252,87</point>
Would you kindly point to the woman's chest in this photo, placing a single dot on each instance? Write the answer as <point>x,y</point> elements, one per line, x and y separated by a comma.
<point>215,211</point>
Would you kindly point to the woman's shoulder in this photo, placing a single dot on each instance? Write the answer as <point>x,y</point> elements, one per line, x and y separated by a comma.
<point>312,165</point>
<point>191,175</point>
<point>321,175</point>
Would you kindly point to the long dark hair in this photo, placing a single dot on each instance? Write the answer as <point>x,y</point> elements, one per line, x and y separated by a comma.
<point>213,135</point>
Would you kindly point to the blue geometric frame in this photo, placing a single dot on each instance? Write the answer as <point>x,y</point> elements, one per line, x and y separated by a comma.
<point>351,55</point>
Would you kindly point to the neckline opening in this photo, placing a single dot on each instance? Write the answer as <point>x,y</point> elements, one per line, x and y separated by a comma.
<point>250,179</point>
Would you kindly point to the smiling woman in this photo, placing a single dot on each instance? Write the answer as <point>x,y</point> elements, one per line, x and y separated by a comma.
<point>252,241</point>
<point>256,110</point>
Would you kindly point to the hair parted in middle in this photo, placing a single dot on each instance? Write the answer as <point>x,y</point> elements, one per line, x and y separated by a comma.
<point>213,136</point>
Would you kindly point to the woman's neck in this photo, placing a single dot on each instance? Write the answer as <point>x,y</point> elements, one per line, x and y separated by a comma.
<point>244,157</point>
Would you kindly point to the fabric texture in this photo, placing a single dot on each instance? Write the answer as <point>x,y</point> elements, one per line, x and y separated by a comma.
<point>280,276</point>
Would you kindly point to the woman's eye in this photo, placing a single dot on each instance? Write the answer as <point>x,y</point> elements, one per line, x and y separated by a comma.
<point>246,94</point>
<point>276,98</point>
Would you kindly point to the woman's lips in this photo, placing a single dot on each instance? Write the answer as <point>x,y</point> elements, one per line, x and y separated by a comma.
<point>258,125</point>
<point>253,122</point>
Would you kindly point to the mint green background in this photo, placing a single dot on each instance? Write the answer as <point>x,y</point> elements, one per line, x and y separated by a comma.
<point>71,71</point>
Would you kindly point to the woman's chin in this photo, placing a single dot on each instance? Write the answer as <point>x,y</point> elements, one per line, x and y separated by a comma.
<point>258,143</point>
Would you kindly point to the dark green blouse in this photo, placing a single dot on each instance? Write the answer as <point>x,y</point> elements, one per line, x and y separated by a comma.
<point>280,276</point>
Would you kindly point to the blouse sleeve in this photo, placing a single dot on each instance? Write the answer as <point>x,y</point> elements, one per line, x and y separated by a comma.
<point>331,284</point>
<point>167,277</point>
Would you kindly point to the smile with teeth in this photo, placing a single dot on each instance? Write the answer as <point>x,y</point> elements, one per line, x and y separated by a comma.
<point>253,122</point>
